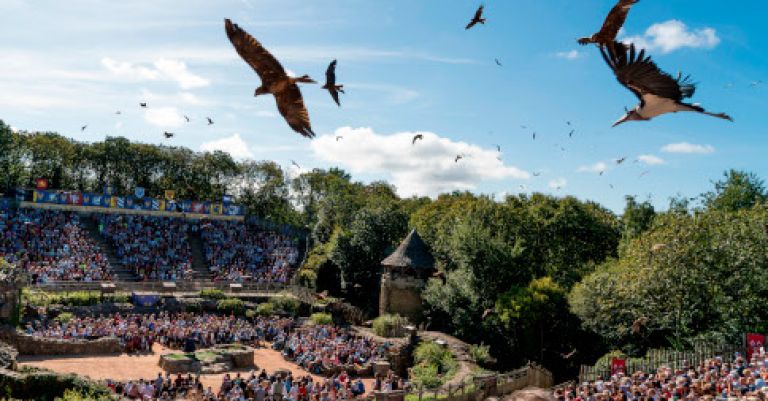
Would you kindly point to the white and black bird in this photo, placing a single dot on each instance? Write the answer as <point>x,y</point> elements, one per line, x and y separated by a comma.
<point>659,92</point>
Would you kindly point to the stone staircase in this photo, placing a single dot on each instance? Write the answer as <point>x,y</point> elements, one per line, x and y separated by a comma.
<point>199,265</point>
<point>122,273</point>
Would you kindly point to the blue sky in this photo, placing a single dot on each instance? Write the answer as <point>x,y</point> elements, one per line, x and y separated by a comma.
<point>408,66</point>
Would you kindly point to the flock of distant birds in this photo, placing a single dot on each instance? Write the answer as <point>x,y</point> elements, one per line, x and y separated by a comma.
<point>658,92</point>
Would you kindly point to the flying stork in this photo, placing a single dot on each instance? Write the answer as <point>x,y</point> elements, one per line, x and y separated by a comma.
<point>659,92</point>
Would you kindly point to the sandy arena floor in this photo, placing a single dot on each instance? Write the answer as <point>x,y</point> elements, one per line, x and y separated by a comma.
<point>126,367</point>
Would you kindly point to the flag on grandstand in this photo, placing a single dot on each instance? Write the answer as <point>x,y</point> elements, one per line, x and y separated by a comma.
<point>755,344</point>
<point>618,366</point>
<point>186,206</point>
<point>199,207</point>
<point>170,194</point>
<point>233,210</point>
<point>139,192</point>
<point>41,183</point>
<point>117,202</point>
<point>158,204</point>
<point>227,199</point>
<point>217,208</point>
<point>75,198</point>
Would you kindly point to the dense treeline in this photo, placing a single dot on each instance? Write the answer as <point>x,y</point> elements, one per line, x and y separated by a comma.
<point>556,280</point>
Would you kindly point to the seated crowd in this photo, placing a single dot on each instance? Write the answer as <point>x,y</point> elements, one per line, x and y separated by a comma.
<point>155,247</point>
<point>238,252</point>
<point>51,245</point>
<point>713,379</point>
<point>327,349</point>
<point>137,333</point>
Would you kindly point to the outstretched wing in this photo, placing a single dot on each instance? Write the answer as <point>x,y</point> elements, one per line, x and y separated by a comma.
<point>330,74</point>
<point>262,61</point>
<point>615,20</point>
<point>478,16</point>
<point>642,76</point>
<point>290,103</point>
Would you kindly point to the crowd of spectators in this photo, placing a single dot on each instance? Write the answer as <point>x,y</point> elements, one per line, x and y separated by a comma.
<point>713,379</point>
<point>237,252</point>
<point>52,246</point>
<point>156,248</point>
<point>188,331</point>
<point>323,349</point>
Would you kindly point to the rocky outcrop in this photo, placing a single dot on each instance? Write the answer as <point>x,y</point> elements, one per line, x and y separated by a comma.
<point>222,358</point>
<point>29,345</point>
<point>8,356</point>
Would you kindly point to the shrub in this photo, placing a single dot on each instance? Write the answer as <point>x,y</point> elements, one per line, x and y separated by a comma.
<point>434,364</point>
<point>64,317</point>
<point>231,305</point>
<point>425,376</point>
<point>285,302</point>
<point>250,313</point>
<point>389,325</point>
<point>212,293</point>
<point>480,354</point>
<point>265,309</point>
<point>321,318</point>
<point>75,395</point>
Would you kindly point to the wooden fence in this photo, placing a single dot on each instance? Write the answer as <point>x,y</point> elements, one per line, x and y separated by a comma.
<point>483,386</point>
<point>664,357</point>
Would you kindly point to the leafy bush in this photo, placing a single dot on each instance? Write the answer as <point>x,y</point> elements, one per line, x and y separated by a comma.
<point>64,317</point>
<point>389,325</point>
<point>74,298</point>
<point>231,305</point>
<point>265,309</point>
<point>321,318</point>
<point>425,376</point>
<point>480,354</point>
<point>76,395</point>
<point>285,302</point>
<point>250,313</point>
<point>212,293</point>
<point>435,365</point>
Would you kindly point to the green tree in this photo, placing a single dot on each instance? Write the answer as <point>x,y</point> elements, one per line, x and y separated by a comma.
<point>737,190</point>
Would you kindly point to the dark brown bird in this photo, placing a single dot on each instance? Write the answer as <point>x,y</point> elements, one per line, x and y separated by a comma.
<point>210,122</point>
<point>612,24</point>
<point>477,19</point>
<point>622,160</point>
<point>330,83</point>
<point>83,128</point>
<point>296,164</point>
<point>339,137</point>
<point>143,105</point>
<point>458,157</point>
<point>274,79</point>
<point>168,135</point>
<point>417,137</point>
<point>638,324</point>
<point>498,62</point>
<point>659,93</point>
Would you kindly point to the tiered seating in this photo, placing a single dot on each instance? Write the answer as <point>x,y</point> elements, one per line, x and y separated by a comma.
<point>156,248</point>
<point>236,252</point>
<point>52,246</point>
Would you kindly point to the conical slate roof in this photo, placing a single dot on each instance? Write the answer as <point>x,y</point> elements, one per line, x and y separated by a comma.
<point>413,253</point>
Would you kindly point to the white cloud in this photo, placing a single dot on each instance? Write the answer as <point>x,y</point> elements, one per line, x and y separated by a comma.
<point>650,160</point>
<point>569,55</point>
<point>426,168</point>
<point>595,168</point>
<point>558,183</point>
<point>673,35</point>
<point>234,145</point>
<point>164,69</point>
<point>690,148</point>
<point>164,117</point>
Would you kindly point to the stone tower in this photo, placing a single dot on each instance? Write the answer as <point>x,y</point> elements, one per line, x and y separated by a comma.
<point>405,274</point>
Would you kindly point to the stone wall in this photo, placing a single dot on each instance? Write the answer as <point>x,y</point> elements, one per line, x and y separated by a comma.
<point>401,295</point>
<point>28,345</point>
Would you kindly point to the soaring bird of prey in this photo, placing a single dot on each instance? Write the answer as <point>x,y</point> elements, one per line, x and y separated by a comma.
<point>621,160</point>
<point>210,122</point>
<point>168,135</point>
<point>612,24</point>
<point>458,157</point>
<point>330,83</point>
<point>478,18</point>
<point>658,92</point>
<point>186,118</point>
<point>274,79</point>
<point>536,174</point>
<point>570,134</point>
<point>755,84</point>
<point>83,128</point>
<point>534,136</point>
<point>417,137</point>
<point>339,137</point>
<point>498,62</point>
<point>143,105</point>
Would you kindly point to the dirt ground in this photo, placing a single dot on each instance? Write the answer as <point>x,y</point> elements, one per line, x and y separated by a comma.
<point>126,367</point>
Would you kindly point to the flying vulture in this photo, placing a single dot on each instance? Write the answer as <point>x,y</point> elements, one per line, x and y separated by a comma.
<point>658,92</point>
<point>622,160</point>
<point>143,105</point>
<point>477,19</point>
<point>210,122</point>
<point>612,24</point>
<point>83,128</point>
<point>534,136</point>
<point>417,137</point>
<point>498,62</point>
<point>274,79</point>
<point>458,157</point>
<point>330,83</point>
<point>168,135</point>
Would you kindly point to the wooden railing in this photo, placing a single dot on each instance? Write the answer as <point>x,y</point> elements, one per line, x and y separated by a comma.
<point>159,286</point>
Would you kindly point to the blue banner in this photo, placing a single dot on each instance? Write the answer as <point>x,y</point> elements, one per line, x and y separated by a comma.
<point>145,299</point>
<point>5,203</point>
<point>226,199</point>
<point>139,192</point>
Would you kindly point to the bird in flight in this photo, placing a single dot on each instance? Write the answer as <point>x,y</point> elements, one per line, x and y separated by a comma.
<point>536,174</point>
<point>210,122</point>
<point>274,79</point>
<point>644,173</point>
<point>602,172</point>
<point>417,137</point>
<point>118,112</point>
<point>339,137</point>
<point>83,128</point>
<point>498,148</point>
<point>143,105</point>
<point>657,91</point>
<point>296,164</point>
<point>186,118</point>
<point>755,84</point>
<point>458,157</point>
<point>330,83</point>
<point>498,62</point>
<point>621,160</point>
<point>612,24</point>
<point>168,135</point>
<point>570,134</point>
<point>534,136</point>
<point>610,185</point>
<point>477,19</point>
